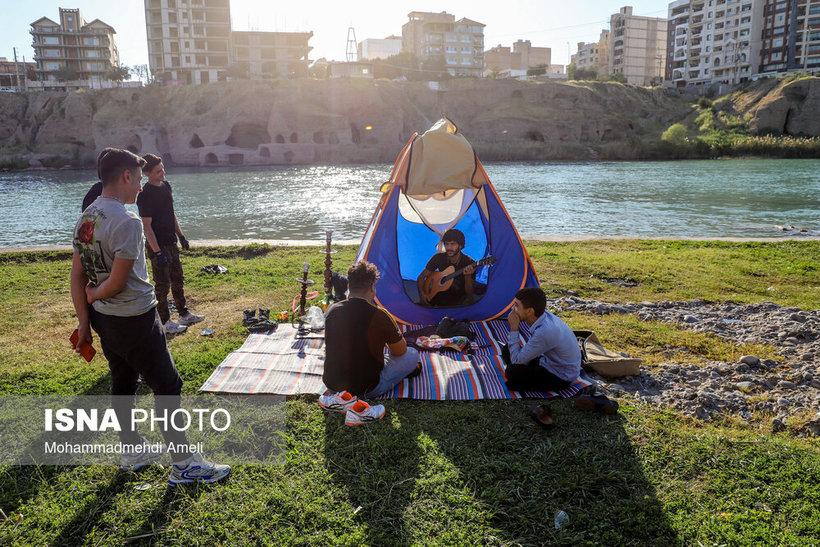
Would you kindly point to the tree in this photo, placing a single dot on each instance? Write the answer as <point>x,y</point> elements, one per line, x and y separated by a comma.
<point>571,71</point>
<point>434,67</point>
<point>117,73</point>
<point>403,64</point>
<point>141,72</point>
<point>676,134</point>
<point>583,74</point>
<point>537,70</point>
<point>617,77</point>
<point>65,74</point>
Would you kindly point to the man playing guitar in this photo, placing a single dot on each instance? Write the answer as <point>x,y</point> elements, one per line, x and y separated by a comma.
<point>462,286</point>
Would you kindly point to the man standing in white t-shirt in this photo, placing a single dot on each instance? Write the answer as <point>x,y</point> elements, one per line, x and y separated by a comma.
<point>111,293</point>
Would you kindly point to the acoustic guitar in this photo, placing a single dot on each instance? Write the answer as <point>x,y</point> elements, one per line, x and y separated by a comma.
<point>443,280</point>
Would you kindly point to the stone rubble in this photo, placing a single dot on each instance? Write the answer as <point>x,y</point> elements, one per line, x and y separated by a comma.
<point>752,388</point>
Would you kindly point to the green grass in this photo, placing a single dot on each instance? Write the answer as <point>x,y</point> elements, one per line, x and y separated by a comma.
<point>443,473</point>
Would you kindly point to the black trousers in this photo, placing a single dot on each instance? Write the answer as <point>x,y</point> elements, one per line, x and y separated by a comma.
<point>530,377</point>
<point>133,346</point>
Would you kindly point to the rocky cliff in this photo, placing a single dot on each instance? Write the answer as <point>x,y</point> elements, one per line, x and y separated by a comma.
<point>352,121</point>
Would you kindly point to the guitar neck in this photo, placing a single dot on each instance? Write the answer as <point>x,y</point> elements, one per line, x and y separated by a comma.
<point>456,273</point>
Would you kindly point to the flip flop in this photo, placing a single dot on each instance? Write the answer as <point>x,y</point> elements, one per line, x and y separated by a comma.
<point>597,403</point>
<point>542,415</point>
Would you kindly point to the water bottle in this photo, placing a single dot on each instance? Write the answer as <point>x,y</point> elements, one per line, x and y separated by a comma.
<point>561,520</point>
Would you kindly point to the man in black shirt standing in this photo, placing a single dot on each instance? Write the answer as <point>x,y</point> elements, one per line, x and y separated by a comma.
<point>156,207</point>
<point>96,189</point>
<point>462,286</point>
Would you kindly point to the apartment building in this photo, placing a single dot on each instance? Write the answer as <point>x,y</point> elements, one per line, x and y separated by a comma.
<point>713,41</point>
<point>188,40</point>
<point>72,47</point>
<point>13,75</point>
<point>460,43</point>
<point>790,36</point>
<point>268,55</point>
<point>375,48</point>
<point>594,55</point>
<point>637,47</point>
<point>515,61</point>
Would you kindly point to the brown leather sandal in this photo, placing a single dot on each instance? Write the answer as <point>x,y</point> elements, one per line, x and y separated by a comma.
<point>542,415</point>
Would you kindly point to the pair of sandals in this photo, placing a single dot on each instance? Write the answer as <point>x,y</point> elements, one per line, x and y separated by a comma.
<point>542,414</point>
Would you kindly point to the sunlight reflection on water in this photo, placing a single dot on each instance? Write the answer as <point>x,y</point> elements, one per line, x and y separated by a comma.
<point>741,198</point>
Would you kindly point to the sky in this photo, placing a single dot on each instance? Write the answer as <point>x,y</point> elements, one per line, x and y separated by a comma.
<point>558,24</point>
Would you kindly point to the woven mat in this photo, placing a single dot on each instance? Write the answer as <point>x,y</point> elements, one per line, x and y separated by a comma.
<point>283,362</point>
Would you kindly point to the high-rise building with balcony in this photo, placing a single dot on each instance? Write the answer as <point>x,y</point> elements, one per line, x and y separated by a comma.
<point>713,41</point>
<point>459,43</point>
<point>637,47</point>
<point>188,40</point>
<point>73,49</point>
<point>191,42</point>
<point>594,55</point>
<point>790,36</point>
<point>268,55</point>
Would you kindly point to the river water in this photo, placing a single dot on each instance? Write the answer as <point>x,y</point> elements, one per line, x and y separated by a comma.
<point>694,199</point>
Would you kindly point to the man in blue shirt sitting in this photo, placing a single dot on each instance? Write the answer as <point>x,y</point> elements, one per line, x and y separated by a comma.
<point>551,358</point>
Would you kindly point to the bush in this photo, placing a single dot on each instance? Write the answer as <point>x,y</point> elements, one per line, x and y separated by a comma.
<point>704,102</point>
<point>676,134</point>
<point>14,162</point>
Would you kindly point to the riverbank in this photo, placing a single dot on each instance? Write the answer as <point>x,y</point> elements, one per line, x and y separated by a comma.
<point>455,472</point>
<point>526,238</point>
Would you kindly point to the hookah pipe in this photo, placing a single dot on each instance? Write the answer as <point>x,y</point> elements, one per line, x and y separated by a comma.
<point>302,298</point>
<point>328,267</point>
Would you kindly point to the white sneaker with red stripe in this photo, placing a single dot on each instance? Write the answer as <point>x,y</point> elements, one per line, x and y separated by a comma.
<point>337,402</point>
<point>360,413</point>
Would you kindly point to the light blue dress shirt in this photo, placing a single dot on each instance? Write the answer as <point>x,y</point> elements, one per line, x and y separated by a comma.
<point>553,343</point>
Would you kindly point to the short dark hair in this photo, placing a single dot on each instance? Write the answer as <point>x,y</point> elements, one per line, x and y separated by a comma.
<point>361,275</point>
<point>454,235</point>
<point>115,161</point>
<point>533,297</point>
<point>103,152</point>
<point>151,161</point>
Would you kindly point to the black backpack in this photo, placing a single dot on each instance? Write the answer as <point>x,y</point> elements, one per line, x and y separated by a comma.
<point>449,327</point>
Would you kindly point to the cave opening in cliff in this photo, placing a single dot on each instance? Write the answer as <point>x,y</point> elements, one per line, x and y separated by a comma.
<point>248,135</point>
<point>534,135</point>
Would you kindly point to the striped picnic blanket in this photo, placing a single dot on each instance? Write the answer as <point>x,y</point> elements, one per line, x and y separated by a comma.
<point>283,362</point>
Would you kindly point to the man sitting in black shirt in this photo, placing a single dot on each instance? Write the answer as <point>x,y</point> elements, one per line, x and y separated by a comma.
<point>462,287</point>
<point>356,333</point>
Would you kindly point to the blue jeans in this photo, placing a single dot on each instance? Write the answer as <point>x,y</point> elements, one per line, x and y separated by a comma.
<point>395,370</point>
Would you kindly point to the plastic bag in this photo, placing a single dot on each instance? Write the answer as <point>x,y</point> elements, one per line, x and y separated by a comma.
<point>315,317</point>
